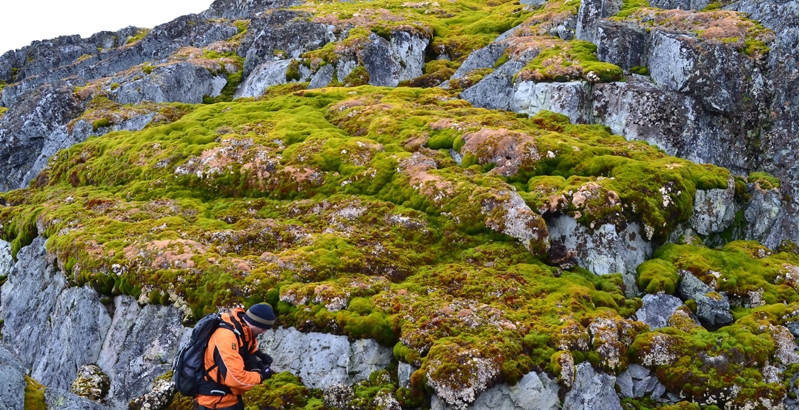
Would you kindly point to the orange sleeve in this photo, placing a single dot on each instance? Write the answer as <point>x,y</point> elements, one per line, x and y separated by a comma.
<point>231,365</point>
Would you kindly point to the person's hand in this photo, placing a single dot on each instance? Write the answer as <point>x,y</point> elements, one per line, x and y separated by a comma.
<point>266,373</point>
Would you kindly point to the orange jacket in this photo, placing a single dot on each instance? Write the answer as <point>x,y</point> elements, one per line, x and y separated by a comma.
<point>229,371</point>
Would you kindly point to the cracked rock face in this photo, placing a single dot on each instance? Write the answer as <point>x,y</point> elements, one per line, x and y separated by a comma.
<point>592,390</point>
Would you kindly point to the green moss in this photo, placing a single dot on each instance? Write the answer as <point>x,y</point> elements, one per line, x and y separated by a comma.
<point>34,395</point>
<point>147,68</point>
<point>101,123</point>
<point>764,180</point>
<point>284,391</point>
<point>140,34</point>
<point>568,61</point>
<point>656,276</point>
<point>358,76</point>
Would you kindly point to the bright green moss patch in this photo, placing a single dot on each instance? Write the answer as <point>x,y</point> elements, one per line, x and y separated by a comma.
<point>34,395</point>
<point>569,61</point>
<point>284,391</point>
<point>764,180</point>
<point>657,275</point>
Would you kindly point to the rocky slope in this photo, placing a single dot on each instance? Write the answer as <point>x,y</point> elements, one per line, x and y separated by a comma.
<point>485,205</point>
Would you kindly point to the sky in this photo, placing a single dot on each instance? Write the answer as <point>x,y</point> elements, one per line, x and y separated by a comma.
<point>23,21</point>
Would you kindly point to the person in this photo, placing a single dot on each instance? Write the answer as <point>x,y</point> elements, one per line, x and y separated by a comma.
<point>233,361</point>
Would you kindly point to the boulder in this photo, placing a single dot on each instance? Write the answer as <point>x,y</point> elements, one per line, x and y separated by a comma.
<point>690,285</point>
<point>713,309</point>
<point>12,380</point>
<point>714,209</point>
<point>482,58</point>
<point>657,309</point>
<point>765,215</point>
<point>495,90</point>
<point>592,390</point>
<point>389,62</point>
<point>622,43</point>
<point>637,381</point>
<point>533,392</point>
<point>603,250</point>
<point>322,77</point>
<point>404,372</point>
<point>572,99</point>
<point>590,13</point>
<point>323,360</point>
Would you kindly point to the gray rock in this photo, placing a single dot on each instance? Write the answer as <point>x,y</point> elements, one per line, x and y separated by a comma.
<point>323,360</point>
<point>672,60</point>
<point>714,209</point>
<point>533,392</point>
<point>12,380</point>
<point>765,214</point>
<point>656,309</point>
<point>180,82</point>
<point>29,296</point>
<point>264,76</point>
<point>690,285</point>
<point>603,250</point>
<point>58,399</point>
<point>713,312</point>
<point>592,390</point>
<point>6,261</point>
<point>409,49</point>
<point>793,328</point>
<point>404,372</point>
<point>622,43</point>
<point>139,346</point>
<point>533,3</point>
<point>241,9</point>
<point>495,90</point>
<point>322,77</point>
<point>72,337</point>
<point>590,13</point>
<point>24,126</point>
<point>281,34</point>
<point>61,138</point>
<point>482,58</point>
<point>680,4</point>
<point>380,62</point>
<point>571,99</point>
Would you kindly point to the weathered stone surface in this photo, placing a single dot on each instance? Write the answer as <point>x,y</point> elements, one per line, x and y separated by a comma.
<point>481,58</point>
<point>61,138</point>
<point>590,13</point>
<point>29,296</point>
<point>24,127</point>
<point>240,9</point>
<point>323,360</point>
<point>404,371</point>
<point>637,381</point>
<point>714,209</point>
<point>571,99</point>
<point>281,34</point>
<point>533,392</point>
<point>181,82</point>
<point>158,397</point>
<point>690,285</point>
<point>592,390</point>
<point>765,215</point>
<point>622,43</point>
<point>12,380</point>
<point>59,399</point>
<point>602,250</point>
<point>656,309</point>
<point>265,75</point>
<point>388,63</point>
<point>495,90</point>
<point>71,338</point>
<point>680,4</point>
<point>139,346</point>
<point>322,77</point>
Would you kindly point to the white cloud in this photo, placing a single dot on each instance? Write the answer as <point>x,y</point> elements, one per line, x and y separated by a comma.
<point>23,21</point>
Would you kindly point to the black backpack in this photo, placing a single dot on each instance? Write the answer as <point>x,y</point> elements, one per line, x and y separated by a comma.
<point>188,370</point>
